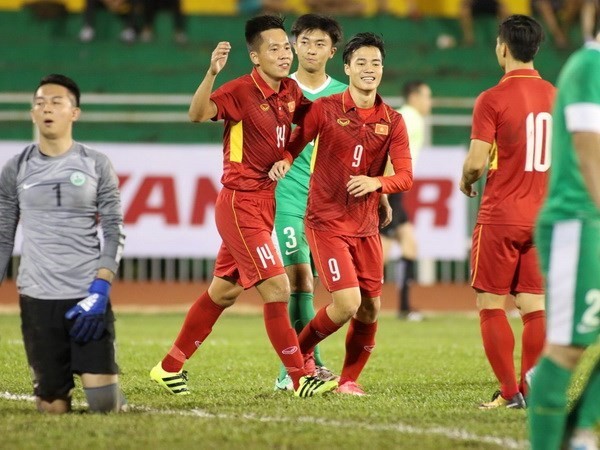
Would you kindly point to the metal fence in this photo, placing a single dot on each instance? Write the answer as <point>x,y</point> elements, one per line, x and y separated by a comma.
<point>183,270</point>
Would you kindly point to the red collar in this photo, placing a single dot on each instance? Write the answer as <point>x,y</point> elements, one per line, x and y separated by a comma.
<point>380,112</point>
<point>263,87</point>
<point>520,73</point>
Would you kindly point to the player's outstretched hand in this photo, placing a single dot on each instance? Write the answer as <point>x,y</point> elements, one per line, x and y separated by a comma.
<point>360,185</point>
<point>219,57</point>
<point>89,313</point>
<point>279,169</point>
<point>467,189</point>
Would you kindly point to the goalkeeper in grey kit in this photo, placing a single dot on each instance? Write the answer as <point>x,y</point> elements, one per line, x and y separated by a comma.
<point>59,189</point>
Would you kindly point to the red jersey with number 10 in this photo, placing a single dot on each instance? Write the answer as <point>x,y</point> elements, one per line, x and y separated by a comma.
<point>257,128</point>
<point>515,117</point>
<point>346,145</point>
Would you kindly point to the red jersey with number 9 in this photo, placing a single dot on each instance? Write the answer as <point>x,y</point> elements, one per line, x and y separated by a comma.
<point>516,118</point>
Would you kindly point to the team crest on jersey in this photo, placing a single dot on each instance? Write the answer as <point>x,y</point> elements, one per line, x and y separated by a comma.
<point>381,128</point>
<point>343,122</point>
<point>292,106</point>
<point>77,178</point>
<point>264,107</point>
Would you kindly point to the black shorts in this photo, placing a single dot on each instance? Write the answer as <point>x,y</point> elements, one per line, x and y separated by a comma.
<point>53,355</point>
<point>399,215</point>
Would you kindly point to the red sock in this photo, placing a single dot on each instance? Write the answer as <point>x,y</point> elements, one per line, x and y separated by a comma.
<point>499,345</point>
<point>284,339</point>
<point>532,343</point>
<point>196,327</point>
<point>316,330</point>
<point>360,342</point>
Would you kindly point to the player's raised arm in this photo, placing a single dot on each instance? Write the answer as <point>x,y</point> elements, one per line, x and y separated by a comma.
<point>202,107</point>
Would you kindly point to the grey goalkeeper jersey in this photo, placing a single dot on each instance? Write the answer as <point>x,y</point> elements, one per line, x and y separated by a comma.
<point>59,202</point>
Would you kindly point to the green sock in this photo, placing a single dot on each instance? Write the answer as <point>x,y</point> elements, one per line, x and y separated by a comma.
<point>547,404</point>
<point>587,408</point>
<point>306,310</point>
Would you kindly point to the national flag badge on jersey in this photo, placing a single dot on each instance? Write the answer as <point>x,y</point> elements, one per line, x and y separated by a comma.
<point>382,128</point>
<point>292,106</point>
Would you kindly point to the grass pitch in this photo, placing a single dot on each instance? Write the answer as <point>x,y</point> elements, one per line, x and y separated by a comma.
<point>424,382</point>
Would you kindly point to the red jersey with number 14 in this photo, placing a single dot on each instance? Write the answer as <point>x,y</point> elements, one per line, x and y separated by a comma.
<point>347,145</point>
<point>257,127</point>
<point>515,117</point>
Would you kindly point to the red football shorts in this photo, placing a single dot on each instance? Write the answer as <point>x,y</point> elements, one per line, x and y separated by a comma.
<point>345,261</point>
<point>245,223</point>
<point>504,260</point>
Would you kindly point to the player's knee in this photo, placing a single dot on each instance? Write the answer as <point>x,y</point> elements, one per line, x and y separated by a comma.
<point>105,399</point>
<point>53,406</point>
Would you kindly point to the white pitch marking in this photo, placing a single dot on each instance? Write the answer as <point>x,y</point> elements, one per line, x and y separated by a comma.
<point>450,433</point>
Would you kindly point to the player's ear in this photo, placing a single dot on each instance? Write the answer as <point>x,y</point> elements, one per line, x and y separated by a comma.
<point>333,50</point>
<point>76,114</point>
<point>254,58</point>
<point>346,69</point>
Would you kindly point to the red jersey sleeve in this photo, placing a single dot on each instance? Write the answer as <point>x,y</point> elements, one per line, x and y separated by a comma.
<point>485,119</point>
<point>306,131</point>
<point>228,99</point>
<point>402,179</point>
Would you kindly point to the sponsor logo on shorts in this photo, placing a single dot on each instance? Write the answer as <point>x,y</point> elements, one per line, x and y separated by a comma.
<point>321,335</point>
<point>291,252</point>
<point>369,348</point>
<point>27,186</point>
<point>290,350</point>
<point>197,343</point>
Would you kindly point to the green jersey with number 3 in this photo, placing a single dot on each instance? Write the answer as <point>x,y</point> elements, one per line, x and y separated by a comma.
<point>291,193</point>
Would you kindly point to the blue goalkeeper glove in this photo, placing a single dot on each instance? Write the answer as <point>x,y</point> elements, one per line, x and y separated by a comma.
<point>90,313</point>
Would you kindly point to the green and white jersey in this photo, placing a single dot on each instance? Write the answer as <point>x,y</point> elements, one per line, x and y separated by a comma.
<point>577,108</point>
<point>291,193</point>
<point>58,201</point>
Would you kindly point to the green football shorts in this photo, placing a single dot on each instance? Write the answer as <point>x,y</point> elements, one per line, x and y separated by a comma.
<point>570,255</point>
<point>292,240</point>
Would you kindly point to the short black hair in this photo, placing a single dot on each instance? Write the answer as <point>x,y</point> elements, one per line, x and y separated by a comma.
<point>523,36</point>
<point>310,22</point>
<point>258,24</point>
<point>62,80</point>
<point>412,87</point>
<point>363,40</point>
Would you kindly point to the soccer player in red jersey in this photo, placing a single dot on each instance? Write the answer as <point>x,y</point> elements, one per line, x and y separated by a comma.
<point>512,127</point>
<point>258,110</point>
<point>354,133</point>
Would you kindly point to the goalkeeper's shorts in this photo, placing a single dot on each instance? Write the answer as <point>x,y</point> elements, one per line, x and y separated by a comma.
<point>53,356</point>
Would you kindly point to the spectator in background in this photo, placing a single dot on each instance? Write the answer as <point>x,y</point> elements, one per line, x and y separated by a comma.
<point>151,8</point>
<point>417,96</point>
<point>264,6</point>
<point>559,15</point>
<point>123,8</point>
<point>589,19</point>
<point>472,8</point>
<point>334,7</point>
